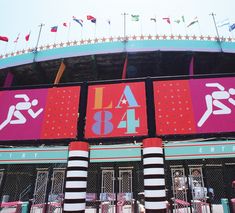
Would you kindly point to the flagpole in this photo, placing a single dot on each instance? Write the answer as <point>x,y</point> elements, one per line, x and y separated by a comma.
<point>81,33</point>
<point>68,33</point>
<point>124,21</point>
<point>185,28</point>
<point>141,30</point>
<point>199,28</point>
<point>16,41</point>
<point>232,34</point>
<point>170,25</point>
<point>155,24</point>
<point>217,32</point>
<point>109,22</point>
<point>36,47</point>
<point>5,48</point>
<point>15,46</point>
<point>55,35</point>
<point>95,31</point>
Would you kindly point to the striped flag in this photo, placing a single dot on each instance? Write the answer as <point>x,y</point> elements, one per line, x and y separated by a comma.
<point>135,17</point>
<point>195,20</point>
<point>231,27</point>
<point>3,38</point>
<point>54,29</point>
<point>17,38</point>
<point>65,24</point>
<point>79,21</point>
<point>27,36</point>
<point>167,20</point>
<point>91,18</point>
<point>223,23</point>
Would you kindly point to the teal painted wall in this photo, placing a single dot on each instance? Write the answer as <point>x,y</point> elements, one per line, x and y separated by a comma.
<point>200,150</point>
<point>116,47</point>
<point>120,153</point>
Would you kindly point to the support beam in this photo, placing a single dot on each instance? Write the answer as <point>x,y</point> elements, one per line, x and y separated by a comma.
<point>76,178</point>
<point>154,176</point>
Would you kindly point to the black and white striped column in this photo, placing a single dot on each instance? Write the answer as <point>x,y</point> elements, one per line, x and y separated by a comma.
<point>76,178</point>
<point>154,178</point>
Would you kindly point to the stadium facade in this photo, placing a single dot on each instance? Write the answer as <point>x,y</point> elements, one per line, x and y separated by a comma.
<point>96,142</point>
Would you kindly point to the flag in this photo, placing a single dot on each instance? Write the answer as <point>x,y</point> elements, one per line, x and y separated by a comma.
<point>91,18</point>
<point>223,23</point>
<point>27,37</point>
<point>60,72</point>
<point>177,21</point>
<point>79,21</point>
<point>54,29</point>
<point>231,27</point>
<point>8,80</point>
<point>65,24</point>
<point>3,38</point>
<point>167,20</point>
<point>135,17</point>
<point>153,19</point>
<point>125,68</point>
<point>191,66</point>
<point>17,38</point>
<point>193,22</point>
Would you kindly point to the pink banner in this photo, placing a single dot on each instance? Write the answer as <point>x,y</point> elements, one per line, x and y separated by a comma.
<point>213,104</point>
<point>195,106</point>
<point>38,113</point>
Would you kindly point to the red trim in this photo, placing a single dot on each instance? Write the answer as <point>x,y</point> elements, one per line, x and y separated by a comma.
<point>152,142</point>
<point>78,145</point>
<point>182,202</point>
<point>10,204</point>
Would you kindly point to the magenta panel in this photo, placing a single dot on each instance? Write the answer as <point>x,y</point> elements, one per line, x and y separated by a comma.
<point>21,114</point>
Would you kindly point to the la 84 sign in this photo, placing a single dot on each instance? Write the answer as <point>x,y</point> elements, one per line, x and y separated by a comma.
<point>116,110</point>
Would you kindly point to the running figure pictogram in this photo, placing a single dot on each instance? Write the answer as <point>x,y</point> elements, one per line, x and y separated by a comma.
<point>15,111</point>
<point>214,100</point>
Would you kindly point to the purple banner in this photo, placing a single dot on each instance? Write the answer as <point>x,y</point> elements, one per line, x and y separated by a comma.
<point>22,113</point>
<point>214,104</point>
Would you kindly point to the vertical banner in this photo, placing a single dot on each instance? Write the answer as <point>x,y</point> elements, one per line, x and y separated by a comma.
<point>173,107</point>
<point>154,178</point>
<point>116,110</point>
<point>76,178</point>
<point>48,113</point>
<point>195,106</point>
<point>61,113</point>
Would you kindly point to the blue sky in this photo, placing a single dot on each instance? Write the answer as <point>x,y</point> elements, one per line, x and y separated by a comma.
<point>24,16</point>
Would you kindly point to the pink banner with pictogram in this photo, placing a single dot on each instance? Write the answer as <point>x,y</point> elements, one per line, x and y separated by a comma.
<point>194,106</point>
<point>46,113</point>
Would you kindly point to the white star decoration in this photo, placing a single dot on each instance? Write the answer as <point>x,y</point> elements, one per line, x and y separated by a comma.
<point>124,101</point>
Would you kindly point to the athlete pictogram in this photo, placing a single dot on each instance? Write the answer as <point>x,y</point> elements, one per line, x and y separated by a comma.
<point>15,115</point>
<point>214,100</point>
